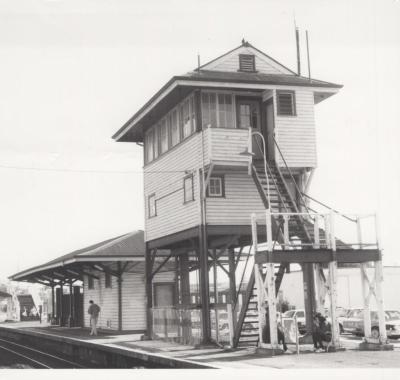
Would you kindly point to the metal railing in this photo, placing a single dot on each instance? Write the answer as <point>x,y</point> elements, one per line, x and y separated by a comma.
<point>363,235</point>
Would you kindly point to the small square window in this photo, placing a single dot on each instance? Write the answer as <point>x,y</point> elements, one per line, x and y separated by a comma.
<point>286,103</point>
<point>152,206</point>
<point>188,190</point>
<point>90,283</point>
<point>216,187</point>
<point>107,280</point>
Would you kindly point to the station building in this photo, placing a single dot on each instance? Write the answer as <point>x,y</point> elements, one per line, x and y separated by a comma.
<point>111,273</point>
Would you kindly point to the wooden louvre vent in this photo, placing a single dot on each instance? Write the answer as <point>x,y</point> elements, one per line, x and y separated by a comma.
<point>247,62</point>
<point>286,103</point>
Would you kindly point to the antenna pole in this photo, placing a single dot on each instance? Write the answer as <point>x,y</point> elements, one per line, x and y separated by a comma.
<point>298,51</point>
<point>198,62</point>
<point>308,57</point>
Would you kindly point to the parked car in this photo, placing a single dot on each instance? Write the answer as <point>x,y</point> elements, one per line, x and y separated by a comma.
<point>355,323</point>
<point>342,315</point>
<point>301,318</point>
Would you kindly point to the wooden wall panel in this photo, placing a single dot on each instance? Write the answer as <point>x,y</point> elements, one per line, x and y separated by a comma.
<point>241,199</point>
<point>164,177</point>
<point>296,134</point>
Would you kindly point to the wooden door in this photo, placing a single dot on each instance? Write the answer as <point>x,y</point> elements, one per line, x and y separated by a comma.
<point>248,115</point>
<point>270,128</point>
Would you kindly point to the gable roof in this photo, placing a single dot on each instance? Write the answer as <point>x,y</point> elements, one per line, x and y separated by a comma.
<point>246,48</point>
<point>214,74</point>
<point>130,246</point>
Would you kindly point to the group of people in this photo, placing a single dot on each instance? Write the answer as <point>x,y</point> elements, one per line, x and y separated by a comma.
<point>321,334</point>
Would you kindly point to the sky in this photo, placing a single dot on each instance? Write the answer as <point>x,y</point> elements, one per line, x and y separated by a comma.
<point>72,72</point>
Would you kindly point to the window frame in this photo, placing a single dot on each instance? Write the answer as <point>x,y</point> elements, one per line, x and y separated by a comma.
<point>221,177</point>
<point>191,177</point>
<point>253,57</point>
<point>207,94</point>
<point>149,208</point>
<point>293,96</point>
<point>90,283</point>
<point>107,280</point>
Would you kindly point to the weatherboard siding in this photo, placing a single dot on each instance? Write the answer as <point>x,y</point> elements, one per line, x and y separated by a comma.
<point>230,63</point>
<point>295,135</point>
<point>133,300</point>
<point>226,144</point>
<point>240,201</point>
<point>164,178</point>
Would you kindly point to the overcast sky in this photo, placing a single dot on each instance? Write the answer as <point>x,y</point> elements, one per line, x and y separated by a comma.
<point>72,72</point>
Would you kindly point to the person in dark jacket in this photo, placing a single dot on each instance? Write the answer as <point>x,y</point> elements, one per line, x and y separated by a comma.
<point>94,311</point>
<point>321,332</point>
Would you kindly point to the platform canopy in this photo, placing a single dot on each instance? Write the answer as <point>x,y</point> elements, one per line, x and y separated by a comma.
<point>5,295</point>
<point>126,251</point>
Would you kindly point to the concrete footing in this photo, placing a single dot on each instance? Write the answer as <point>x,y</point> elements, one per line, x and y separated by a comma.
<point>269,352</point>
<point>368,346</point>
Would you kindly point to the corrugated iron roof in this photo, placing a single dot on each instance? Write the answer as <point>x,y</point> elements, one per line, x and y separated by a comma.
<point>130,245</point>
<point>226,77</point>
<point>260,78</point>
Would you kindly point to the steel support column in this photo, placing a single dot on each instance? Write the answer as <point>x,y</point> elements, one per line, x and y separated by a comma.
<point>204,286</point>
<point>52,304</point>
<point>119,282</point>
<point>71,306</point>
<point>149,292</point>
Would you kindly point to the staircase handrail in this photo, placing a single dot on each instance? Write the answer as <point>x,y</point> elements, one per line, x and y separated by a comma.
<point>242,278</point>
<point>330,208</point>
<point>291,175</point>
<point>273,179</point>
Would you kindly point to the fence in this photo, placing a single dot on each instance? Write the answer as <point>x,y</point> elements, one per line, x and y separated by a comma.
<point>181,325</point>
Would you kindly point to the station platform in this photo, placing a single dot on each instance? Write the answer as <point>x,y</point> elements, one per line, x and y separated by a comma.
<point>173,355</point>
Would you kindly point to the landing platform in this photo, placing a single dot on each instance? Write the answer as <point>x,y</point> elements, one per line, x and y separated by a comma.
<point>172,355</point>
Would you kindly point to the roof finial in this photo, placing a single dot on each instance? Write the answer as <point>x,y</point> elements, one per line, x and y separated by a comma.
<point>244,42</point>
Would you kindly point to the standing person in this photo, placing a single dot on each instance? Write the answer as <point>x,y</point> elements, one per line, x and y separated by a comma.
<point>94,311</point>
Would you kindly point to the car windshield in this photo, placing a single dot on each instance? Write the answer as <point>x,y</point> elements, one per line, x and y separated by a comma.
<point>393,314</point>
<point>289,314</point>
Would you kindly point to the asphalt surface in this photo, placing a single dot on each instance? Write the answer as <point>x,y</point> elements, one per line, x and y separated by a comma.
<point>18,355</point>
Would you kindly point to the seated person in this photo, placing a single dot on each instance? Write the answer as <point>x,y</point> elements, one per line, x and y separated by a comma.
<point>321,332</point>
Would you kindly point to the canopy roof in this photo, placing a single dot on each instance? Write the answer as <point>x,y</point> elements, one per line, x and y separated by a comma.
<point>4,294</point>
<point>72,266</point>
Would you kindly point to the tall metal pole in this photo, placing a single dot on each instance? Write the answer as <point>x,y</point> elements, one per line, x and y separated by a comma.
<point>119,284</point>
<point>333,284</point>
<point>308,57</point>
<point>52,303</point>
<point>298,51</point>
<point>71,306</point>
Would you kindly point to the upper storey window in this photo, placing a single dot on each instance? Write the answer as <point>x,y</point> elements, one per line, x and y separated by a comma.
<point>286,103</point>
<point>217,110</point>
<point>173,128</point>
<point>247,63</point>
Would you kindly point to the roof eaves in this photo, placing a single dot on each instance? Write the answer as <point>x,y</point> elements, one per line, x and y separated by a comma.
<point>117,134</point>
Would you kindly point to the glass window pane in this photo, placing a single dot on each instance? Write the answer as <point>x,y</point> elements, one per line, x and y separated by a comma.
<point>188,189</point>
<point>164,135</point>
<point>155,145</point>
<point>150,146</point>
<point>174,128</point>
<point>186,119</point>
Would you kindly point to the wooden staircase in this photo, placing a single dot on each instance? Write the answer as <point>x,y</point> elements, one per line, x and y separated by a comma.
<point>246,331</point>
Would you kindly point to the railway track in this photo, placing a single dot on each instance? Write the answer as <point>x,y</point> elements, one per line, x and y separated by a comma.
<point>17,355</point>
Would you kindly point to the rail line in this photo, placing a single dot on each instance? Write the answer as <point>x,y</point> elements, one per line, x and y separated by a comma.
<point>24,347</point>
